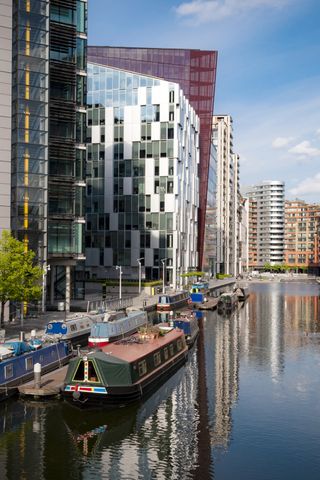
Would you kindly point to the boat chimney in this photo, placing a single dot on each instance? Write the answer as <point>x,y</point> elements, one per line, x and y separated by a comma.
<point>33,333</point>
<point>22,337</point>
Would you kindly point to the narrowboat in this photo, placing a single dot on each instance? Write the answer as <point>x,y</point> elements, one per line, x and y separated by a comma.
<point>17,360</point>
<point>76,329</point>
<point>199,292</point>
<point>227,302</point>
<point>125,371</point>
<point>242,293</point>
<point>171,301</point>
<point>109,331</point>
<point>188,323</point>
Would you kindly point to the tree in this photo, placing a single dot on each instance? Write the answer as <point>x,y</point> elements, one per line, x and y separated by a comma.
<point>20,278</point>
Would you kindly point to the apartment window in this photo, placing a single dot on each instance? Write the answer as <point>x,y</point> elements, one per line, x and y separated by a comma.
<point>171,96</point>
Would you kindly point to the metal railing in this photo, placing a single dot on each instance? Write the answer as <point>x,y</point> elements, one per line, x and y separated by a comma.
<point>105,305</point>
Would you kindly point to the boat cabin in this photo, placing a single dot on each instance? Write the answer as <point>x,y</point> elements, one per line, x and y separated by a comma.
<point>171,301</point>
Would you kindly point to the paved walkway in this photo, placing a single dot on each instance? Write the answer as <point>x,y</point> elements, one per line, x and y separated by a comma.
<point>38,323</point>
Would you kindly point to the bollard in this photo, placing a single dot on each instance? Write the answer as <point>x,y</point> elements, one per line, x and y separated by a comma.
<point>37,375</point>
<point>22,337</point>
<point>78,350</point>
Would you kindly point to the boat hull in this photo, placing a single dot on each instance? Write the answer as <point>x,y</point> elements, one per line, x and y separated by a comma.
<point>118,397</point>
<point>10,387</point>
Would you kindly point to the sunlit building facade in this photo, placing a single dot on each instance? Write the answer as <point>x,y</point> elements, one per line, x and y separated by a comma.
<point>209,264</point>
<point>266,223</point>
<point>228,196</point>
<point>302,225</point>
<point>142,176</point>
<point>195,72</point>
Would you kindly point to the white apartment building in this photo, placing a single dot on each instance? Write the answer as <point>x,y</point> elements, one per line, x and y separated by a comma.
<point>142,177</point>
<point>228,196</point>
<point>267,233</point>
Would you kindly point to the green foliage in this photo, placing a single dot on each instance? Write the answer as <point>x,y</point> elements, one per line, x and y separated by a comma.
<point>221,276</point>
<point>278,268</point>
<point>192,274</point>
<point>19,276</point>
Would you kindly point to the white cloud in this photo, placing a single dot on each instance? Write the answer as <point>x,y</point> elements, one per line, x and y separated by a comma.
<point>309,186</point>
<point>305,149</point>
<point>203,11</point>
<point>281,142</point>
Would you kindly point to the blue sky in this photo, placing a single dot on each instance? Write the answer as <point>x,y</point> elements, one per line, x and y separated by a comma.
<point>268,76</point>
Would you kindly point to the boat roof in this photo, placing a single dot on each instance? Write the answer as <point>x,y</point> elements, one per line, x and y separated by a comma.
<point>137,346</point>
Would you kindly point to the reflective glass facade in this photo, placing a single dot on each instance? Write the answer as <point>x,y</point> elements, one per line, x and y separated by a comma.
<point>48,152</point>
<point>142,175</point>
<point>195,72</point>
<point>30,123</point>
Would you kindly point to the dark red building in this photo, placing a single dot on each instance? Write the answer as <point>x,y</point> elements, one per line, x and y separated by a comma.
<point>195,72</point>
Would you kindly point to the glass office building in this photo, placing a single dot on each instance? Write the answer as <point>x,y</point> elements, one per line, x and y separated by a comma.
<point>142,176</point>
<point>195,72</point>
<point>48,65</point>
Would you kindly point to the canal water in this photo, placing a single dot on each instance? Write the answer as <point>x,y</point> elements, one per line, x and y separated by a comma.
<point>245,406</point>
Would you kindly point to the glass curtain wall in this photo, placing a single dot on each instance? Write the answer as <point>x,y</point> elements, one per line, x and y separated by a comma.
<point>30,124</point>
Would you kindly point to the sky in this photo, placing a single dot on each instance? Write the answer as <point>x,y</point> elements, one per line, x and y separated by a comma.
<point>268,73</point>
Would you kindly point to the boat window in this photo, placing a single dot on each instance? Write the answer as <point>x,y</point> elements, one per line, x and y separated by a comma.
<point>142,366</point>
<point>157,359</point>
<point>171,349</point>
<point>73,328</point>
<point>179,344</point>
<point>79,375</point>
<point>163,300</point>
<point>81,325</point>
<point>29,363</point>
<point>8,371</point>
<point>92,374</point>
<point>166,353</point>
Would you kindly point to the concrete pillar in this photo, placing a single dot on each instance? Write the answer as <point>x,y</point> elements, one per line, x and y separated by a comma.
<point>52,272</point>
<point>68,288</point>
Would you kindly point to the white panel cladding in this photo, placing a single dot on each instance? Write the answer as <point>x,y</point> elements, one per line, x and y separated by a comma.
<point>156,95</point>
<point>135,125</point>
<point>109,153</point>
<point>164,167</point>
<point>149,184</point>
<point>109,126</point>
<point>148,257</point>
<point>169,202</point>
<point>127,186</point>
<point>155,202</point>
<point>149,179</point>
<point>113,222</point>
<point>154,241</point>
<point>155,130</point>
<point>95,134</point>
<point>142,96</point>
<point>92,256</point>
<point>108,257</point>
<point>127,148</point>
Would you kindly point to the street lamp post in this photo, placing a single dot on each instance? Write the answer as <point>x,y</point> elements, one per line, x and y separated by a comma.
<point>46,269</point>
<point>120,283</point>
<point>139,260</point>
<point>163,261</point>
